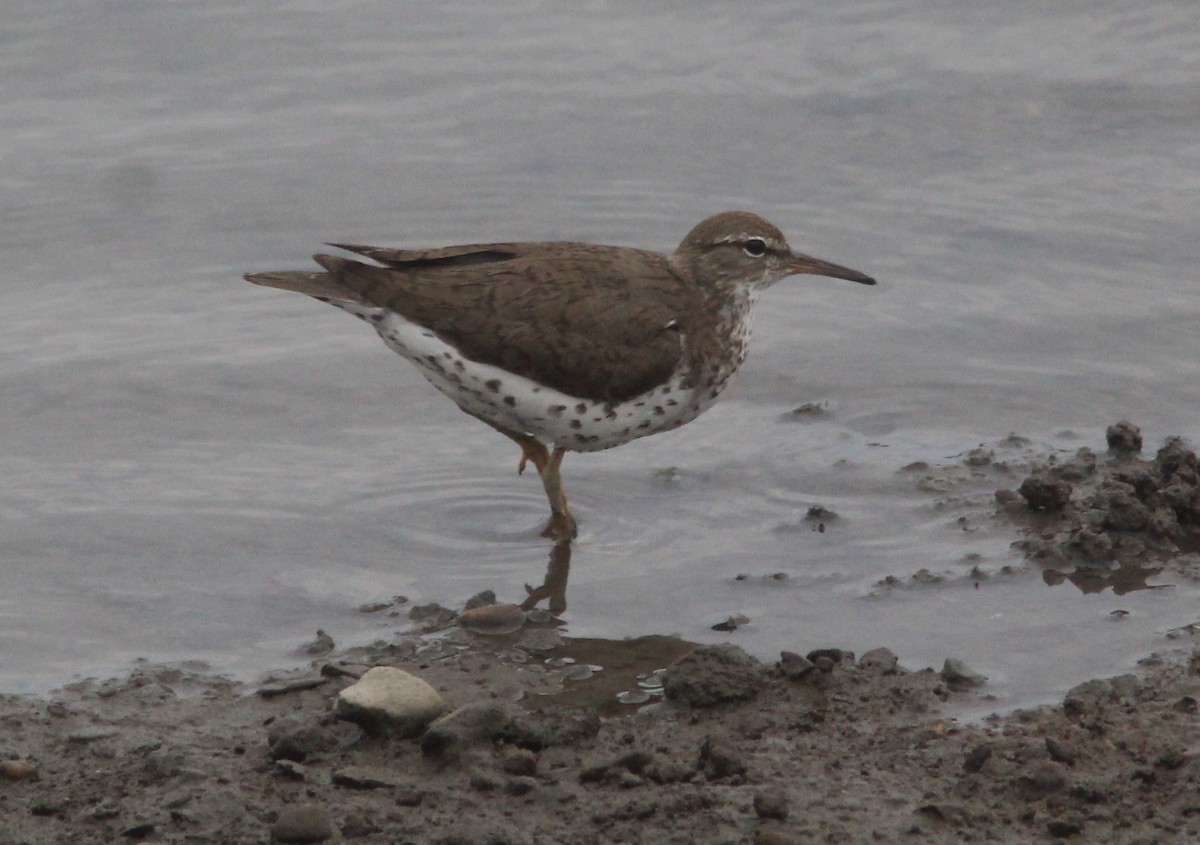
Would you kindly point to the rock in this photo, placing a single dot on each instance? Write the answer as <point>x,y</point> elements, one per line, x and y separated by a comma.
<point>483,598</point>
<point>1061,751</point>
<point>1042,780</point>
<point>881,660</point>
<point>1174,457</point>
<point>772,837</point>
<point>536,730</point>
<point>390,699</point>
<point>302,823</point>
<point>323,644</point>
<point>1099,693</point>
<point>1121,508</point>
<point>291,769</point>
<point>1044,492</point>
<point>138,831</point>
<point>720,760</point>
<point>1064,828</point>
<point>274,688</point>
<point>834,655</point>
<point>492,619</point>
<point>162,764</point>
<point>364,777</point>
<point>974,759</point>
<point>293,738</point>
<point>771,804</point>
<point>1124,438</point>
<point>17,770</point>
<point>431,616</point>
<point>92,733</point>
<point>518,761</point>
<point>634,762</point>
<point>473,724</point>
<point>518,786</point>
<point>794,666</point>
<point>712,675</point>
<point>958,675</point>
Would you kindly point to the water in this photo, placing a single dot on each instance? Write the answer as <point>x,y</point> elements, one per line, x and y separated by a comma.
<point>194,468</point>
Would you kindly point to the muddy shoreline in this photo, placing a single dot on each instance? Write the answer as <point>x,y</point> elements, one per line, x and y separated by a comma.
<point>819,747</point>
<point>528,736</point>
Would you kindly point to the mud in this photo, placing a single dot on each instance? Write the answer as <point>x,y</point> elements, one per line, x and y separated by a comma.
<point>653,740</point>
<point>816,747</point>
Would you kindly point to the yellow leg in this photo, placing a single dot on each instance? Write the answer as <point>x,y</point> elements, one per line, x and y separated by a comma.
<point>562,523</point>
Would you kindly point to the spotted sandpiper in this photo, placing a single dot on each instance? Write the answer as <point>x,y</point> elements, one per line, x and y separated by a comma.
<point>569,347</point>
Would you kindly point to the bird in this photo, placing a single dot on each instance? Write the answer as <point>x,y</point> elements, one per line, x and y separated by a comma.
<point>566,346</point>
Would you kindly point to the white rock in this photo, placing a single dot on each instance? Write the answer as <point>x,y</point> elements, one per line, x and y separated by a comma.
<point>386,698</point>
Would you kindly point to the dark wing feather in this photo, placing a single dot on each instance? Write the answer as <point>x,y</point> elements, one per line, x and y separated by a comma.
<point>590,321</point>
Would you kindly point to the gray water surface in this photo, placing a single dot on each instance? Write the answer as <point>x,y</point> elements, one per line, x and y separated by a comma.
<point>195,468</point>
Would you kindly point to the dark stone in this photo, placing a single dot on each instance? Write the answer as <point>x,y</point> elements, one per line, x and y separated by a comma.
<point>958,675</point>
<point>472,724</point>
<point>162,764</point>
<point>518,761</point>
<point>974,759</point>
<point>634,762</point>
<point>1064,827</point>
<point>1124,438</point>
<point>720,760</point>
<point>293,738</point>
<point>837,655</point>
<point>712,675</point>
<point>1121,507</point>
<point>546,728</point>
<point>363,777</point>
<point>881,660</point>
<point>1061,751</point>
<point>302,823</point>
<point>771,804</point>
<point>794,666</point>
<point>1044,492</point>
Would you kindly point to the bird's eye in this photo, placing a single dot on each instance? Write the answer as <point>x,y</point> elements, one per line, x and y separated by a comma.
<point>755,247</point>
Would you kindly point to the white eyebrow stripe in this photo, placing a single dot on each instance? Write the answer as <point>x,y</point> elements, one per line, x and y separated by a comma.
<point>742,237</point>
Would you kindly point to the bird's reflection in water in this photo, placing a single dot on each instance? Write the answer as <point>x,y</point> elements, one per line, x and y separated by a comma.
<point>553,588</point>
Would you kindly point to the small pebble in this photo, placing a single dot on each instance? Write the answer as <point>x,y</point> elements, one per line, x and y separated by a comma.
<point>302,823</point>
<point>17,770</point>
<point>771,804</point>
<point>957,674</point>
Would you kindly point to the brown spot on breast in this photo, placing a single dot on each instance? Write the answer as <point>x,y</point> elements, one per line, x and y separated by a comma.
<point>556,410</point>
<point>581,408</point>
<point>658,410</point>
<point>510,401</point>
<point>576,424</point>
<point>377,317</point>
<point>493,384</point>
<point>643,425</point>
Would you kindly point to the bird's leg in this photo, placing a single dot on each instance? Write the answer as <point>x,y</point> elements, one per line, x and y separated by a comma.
<point>562,522</point>
<point>532,450</point>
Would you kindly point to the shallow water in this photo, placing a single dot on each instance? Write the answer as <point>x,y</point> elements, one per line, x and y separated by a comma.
<point>197,468</point>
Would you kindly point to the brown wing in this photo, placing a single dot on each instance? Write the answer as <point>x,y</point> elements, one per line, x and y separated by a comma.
<point>592,321</point>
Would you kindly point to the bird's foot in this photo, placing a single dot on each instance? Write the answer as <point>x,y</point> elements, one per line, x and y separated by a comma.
<point>562,526</point>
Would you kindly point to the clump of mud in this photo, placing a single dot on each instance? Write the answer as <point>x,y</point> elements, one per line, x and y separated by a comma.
<point>1120,509</point>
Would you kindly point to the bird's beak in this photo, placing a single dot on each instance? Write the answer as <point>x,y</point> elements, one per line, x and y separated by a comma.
<point>807,265</point>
